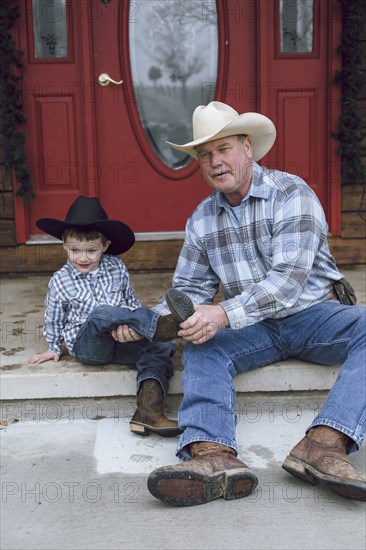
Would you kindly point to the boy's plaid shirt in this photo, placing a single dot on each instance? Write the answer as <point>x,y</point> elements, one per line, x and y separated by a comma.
<point>72,296</point>
<point>272,264</point>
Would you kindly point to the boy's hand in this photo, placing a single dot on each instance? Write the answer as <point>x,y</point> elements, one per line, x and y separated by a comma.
<point>124,334</point>
<point>45,356</point>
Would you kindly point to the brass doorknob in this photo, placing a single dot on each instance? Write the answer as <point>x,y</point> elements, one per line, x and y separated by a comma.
<point>104,80</point>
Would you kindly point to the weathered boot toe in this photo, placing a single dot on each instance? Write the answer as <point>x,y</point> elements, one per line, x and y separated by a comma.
<point>214,474</point>
<point>316,462</point>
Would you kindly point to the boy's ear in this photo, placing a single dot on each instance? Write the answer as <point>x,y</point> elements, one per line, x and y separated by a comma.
<point>106,245</point>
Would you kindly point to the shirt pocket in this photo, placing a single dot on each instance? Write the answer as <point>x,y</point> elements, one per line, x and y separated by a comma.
<point>115,294</point>
<point>82,303</point>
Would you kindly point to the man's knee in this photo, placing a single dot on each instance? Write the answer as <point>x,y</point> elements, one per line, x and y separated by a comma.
<point>194,353</point>
<point>360,322</point>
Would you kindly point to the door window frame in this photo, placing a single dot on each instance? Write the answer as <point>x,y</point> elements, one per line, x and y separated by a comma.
<point>129,93</point>
<point>30,36</point>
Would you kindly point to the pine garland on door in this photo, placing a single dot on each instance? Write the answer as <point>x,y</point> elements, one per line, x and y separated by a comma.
<point>351,79</point>
<point>12,140</point>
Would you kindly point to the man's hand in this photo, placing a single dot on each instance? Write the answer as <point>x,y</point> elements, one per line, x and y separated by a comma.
<point>45,356</point>
<point>205,322</point>
<point>124,334</point>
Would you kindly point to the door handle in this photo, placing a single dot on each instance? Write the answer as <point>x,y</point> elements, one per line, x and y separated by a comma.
<point>104,80</point>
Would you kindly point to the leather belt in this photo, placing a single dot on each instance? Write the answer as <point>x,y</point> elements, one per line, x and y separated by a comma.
<point>333,296</point>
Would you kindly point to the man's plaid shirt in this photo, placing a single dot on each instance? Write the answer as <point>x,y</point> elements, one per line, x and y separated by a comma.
<point>72,296</point>
<point>272,264</point>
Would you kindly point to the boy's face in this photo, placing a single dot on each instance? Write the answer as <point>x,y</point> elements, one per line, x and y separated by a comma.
<point>85,255</point>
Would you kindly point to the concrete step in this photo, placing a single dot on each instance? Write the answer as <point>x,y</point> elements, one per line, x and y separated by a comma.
<point>69,379</point>
<point>22,309</point>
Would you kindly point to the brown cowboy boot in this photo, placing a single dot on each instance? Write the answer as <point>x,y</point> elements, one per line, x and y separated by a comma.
<point>181,308</point>
<point>167,329</point>
<point>148,417</point>
<point>213,472</point>
<point>321,456</point>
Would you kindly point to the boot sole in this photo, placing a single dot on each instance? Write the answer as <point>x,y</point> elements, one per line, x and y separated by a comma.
<point>180,305</point>
<point>347,488</point>
<point>185,488</point>
<point>145,430</point>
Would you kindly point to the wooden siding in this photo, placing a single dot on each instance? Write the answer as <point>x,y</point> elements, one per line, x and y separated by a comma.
<point>145,256</point>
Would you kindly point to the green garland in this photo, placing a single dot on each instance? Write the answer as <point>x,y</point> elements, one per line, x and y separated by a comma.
<point>12,139</point>
<point>351,80</point>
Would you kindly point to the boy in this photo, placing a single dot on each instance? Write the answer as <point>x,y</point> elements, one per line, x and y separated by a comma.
<point>91,296</point>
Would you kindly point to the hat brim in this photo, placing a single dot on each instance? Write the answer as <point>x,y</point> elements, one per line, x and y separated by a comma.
<point>120,234</point>
<point>257,127</point>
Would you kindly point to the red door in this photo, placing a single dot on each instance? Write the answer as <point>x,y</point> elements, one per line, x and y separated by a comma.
<point>109,141</point>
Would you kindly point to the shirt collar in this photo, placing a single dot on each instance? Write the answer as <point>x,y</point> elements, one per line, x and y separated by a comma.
<point>259,187</point>
<point>104,265</point>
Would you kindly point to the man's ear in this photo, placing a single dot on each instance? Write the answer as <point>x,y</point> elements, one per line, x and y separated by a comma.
<point>248,147</point>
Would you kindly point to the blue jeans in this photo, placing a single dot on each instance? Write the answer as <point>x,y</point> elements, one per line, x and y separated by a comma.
<point>329,333</point>
<point>95,346</point>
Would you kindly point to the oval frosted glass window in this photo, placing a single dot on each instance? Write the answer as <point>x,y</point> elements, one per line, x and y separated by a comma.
<point>174,57</point>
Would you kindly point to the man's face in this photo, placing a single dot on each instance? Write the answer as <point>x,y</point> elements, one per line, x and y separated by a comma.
<point>227,166</point>
<point>85,255</point>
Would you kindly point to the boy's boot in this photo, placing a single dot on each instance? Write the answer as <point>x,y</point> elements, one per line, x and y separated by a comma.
<point>149,417</point>
<point>181,308</point>
<point>213,472</point>
<point>321,456</point>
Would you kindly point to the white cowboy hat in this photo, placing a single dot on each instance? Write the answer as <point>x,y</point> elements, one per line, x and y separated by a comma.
<point>218,120</point>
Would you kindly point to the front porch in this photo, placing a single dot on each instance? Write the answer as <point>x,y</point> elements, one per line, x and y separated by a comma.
<point>22,301</point>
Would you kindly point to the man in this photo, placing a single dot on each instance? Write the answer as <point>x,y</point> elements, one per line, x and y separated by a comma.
<point>262,234</point>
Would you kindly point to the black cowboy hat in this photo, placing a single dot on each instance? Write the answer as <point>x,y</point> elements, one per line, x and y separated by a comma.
<point>87,214</point>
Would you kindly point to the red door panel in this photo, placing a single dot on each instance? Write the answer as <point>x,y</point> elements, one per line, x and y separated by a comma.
<point>300,96</point>
<point>59,136</point>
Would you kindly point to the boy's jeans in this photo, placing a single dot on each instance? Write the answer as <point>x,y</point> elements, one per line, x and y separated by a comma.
<point>329,333</point>
<point>94,344</point>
